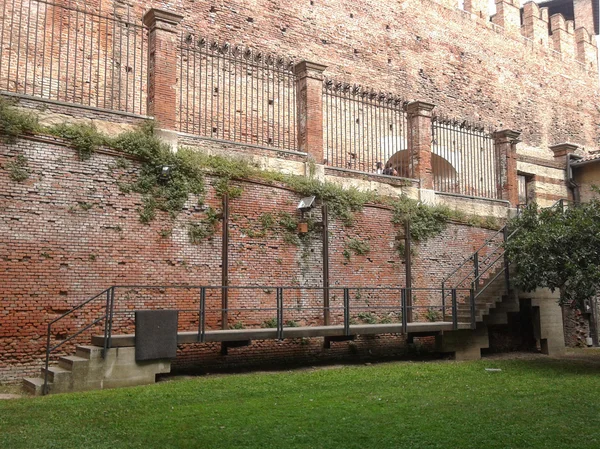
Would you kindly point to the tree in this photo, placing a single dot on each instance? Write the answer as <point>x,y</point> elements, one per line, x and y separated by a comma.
<point>558,248</point>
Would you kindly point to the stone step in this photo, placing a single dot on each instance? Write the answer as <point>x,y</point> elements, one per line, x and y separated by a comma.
<point>56,373</point>
<point>72,362</point>
<point>89,352</point>
<point>33,385</point>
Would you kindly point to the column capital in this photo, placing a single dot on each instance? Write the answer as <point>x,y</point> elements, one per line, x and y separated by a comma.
<point>508,135</point>
<point>420,108</point>
<point>562,149</point>
<point>307,69</point>
<point>159,18</point>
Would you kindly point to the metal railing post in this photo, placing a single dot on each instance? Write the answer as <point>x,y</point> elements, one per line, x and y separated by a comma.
<point>106,315</point>
<point>280,313</point>
<point>476,267</point>
<point>45,387</point>
<point>202,318</point>
<point>404,312</point>
<point>454,310</point>
<point>443,301</point>
<point>346,311</point>
<point>472,304</point>
<point>108,341</point>
<point>506,261</point>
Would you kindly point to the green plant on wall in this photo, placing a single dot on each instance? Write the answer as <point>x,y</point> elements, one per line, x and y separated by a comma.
<point>432,315</point>
<point>18,168</point>
<point>357,246</point>
<point>84,137</point>
<point>223,186</point>
<point>187,168</point>
<point>14,122</point>
<point>198,231</point>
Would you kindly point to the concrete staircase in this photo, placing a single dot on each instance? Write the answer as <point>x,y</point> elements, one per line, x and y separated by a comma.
<point>88,370</point>
<point>493,303</point>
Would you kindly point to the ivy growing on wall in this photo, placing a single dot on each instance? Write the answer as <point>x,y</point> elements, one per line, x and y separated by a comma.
<point>186,177</point>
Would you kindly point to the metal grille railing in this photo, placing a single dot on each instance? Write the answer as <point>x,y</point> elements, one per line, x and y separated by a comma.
<point>70,53</point>
<point>365,130</point>
<point>465,160</point>
<point>235,94</point>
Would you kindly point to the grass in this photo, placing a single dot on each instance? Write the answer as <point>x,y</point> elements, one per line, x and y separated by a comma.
<point>530,403</point>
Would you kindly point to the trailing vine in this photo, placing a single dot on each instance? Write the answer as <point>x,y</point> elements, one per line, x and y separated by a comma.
<point>357,246</point>
<point>187,169</point>
<point>198,231</point>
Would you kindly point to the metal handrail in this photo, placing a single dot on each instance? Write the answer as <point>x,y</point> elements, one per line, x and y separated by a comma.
<point>50,348</point>
<point>476,271</point>
<point>110,309</point>
<point>471,257</point>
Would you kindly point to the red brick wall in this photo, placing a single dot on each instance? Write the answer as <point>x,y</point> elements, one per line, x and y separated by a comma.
<point>68,233</point>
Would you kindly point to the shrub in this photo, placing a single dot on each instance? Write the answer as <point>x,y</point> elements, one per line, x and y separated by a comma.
<point>14,122</point>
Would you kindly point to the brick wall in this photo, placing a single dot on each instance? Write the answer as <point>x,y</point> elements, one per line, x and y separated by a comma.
<point>418,50</point>
<point>428,51</point>
<point>68,233</point>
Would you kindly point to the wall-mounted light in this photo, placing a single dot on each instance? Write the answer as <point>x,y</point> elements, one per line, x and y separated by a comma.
<point>165,173</point>
<point>305,205</point>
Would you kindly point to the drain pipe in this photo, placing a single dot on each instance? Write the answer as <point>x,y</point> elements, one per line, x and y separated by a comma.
<point>575,188</point>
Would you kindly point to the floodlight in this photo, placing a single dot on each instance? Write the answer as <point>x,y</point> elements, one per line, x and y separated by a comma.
<point>306,203</point>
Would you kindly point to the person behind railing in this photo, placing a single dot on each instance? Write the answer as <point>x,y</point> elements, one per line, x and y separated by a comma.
<point>389,170</point>
<point>379,168</point>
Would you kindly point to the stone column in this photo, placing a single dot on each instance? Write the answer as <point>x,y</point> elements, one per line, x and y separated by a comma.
<point>309,101</point>
<point>506,149</point>
<point>419,116</point>
<point>162,66</point>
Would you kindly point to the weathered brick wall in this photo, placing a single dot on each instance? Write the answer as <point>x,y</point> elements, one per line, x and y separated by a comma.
<point>68,233</point>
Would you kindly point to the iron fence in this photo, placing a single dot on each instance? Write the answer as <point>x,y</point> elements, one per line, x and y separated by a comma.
<point>465,160</point>
<point>365,130</point>
<point>236,94</point>
<point>71,53</point>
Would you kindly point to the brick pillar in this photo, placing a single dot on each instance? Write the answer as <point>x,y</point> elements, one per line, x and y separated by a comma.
<point>587,51</point>
<point>563,39</point>
<point>508,15</point>
<point>419,142</point>
<point>162,66</point>
<point>478,7</point>
<point>535,23</point>
<point>506,148</point>
<point>583,11</point>
<point>309,100</point>
<point>562,150</point>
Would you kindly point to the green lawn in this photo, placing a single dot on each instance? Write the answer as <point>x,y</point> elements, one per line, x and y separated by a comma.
<point>530,403</point>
